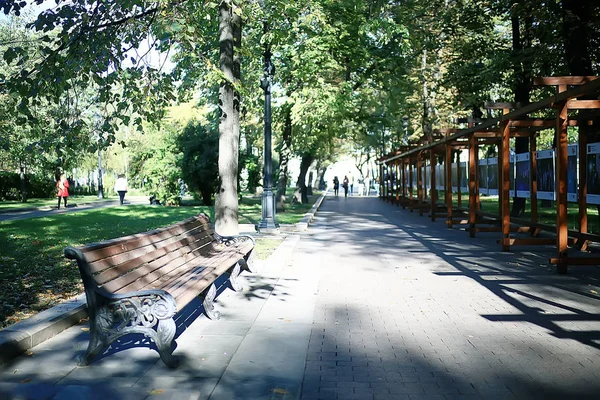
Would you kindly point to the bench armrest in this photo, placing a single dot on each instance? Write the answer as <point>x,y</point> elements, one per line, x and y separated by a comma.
<point>229,240</point>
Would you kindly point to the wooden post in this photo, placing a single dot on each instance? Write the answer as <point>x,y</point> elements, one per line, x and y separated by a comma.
<point>533,166</point>
<point>402,180</point>
<point>562,121</point>
<point>419,185</point>
<point>459,178</point>
<point>434,194</point>
<point>448,186</point>
<point>397,163</point>
<point>410,188</point>
<point>472,184</point>
<point>505,184</point>
<point>582,195</point>
<point>381,196</point>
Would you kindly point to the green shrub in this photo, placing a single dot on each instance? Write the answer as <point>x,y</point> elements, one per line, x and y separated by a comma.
<point>36,186</point>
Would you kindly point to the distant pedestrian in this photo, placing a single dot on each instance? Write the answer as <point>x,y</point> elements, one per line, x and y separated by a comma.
<point>345,184</point>
<point>351,184</point>
<point>121,188</point>
<point>62,190</point>
<point>336,186</point>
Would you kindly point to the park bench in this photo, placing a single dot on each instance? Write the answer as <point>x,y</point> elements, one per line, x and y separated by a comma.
<point>137,283</point>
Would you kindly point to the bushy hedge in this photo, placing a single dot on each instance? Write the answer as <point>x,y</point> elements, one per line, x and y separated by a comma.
<point>36,186</point>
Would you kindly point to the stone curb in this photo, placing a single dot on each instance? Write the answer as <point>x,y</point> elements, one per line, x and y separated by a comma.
<point>22,336</point>
<point>310,215</point>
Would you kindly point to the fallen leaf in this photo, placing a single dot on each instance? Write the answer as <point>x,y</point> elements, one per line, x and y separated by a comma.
<point>593,291</point>
<point>85,329</point>
<point>26,380</point>
<point>279,391</point>
<point>157,391</point>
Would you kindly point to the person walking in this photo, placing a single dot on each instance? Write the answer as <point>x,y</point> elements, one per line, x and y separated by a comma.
<point>121,188</point>
<point>345,184</point>
<point>336,185</point>
<point>62,189</point>
<point>351,185</point>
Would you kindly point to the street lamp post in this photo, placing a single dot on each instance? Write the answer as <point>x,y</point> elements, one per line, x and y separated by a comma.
<point>268,223</point>
<point>100,187</point>
<point>405,126</point>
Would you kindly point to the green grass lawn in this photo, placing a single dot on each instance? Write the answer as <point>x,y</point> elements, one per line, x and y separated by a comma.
<point>34,275</point>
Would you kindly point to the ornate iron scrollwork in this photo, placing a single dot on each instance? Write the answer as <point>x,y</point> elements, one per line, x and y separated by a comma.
<point>140,313</point>
<point>209,303</point>
<point>232,240</point>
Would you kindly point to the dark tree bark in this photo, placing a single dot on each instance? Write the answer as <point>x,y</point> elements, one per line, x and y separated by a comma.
<point>226,205</point>
<point>577,16</point>
<point>301,195</point>
<point>321,178</point>
<point>284,159</point>
<point>522,74</point>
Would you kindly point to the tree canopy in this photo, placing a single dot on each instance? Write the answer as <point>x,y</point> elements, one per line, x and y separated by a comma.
<point>347,71</point>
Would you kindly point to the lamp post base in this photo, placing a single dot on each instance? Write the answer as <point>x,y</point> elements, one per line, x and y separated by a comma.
<point>268,224</point>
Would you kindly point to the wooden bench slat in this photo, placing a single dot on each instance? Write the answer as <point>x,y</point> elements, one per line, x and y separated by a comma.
<point>173,265</point>
<point>131,280</point>
<point>170,272</point>
<point>226,260</point>
<point>106,249</point>
<point>107,269</point>
<point>185,290</point>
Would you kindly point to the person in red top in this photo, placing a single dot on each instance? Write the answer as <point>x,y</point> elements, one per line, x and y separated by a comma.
<point>62,187</point>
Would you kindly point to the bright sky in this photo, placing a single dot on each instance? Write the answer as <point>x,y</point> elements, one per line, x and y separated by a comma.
<point>152,58</point>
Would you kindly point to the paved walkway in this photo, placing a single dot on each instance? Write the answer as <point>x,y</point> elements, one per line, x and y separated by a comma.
<point>9,215</point>
<point>373,302</point>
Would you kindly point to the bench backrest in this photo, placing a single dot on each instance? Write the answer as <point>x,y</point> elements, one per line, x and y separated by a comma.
<point>133,262</point>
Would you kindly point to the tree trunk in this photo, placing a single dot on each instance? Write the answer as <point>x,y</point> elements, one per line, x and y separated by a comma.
<point>321,178</point>
<point>23,183</point>
<point>206,196</point>
<point>576,37</point>
<point>226,205</point>
<point>427,125</point>
<point>522,89</point>
<point>284,160</point>
<point>300,195</point>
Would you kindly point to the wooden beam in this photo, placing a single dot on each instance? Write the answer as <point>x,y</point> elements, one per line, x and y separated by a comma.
<point>548,123</point>
<point>563,80</point>
<point>583,104</point>
<point>575,261</point>
<point>487,134</point>
<point>490,105</point>
<point>526,241</point>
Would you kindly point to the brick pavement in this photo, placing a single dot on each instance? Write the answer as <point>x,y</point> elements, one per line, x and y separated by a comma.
<point>373,302</point>
<point>407,309</point>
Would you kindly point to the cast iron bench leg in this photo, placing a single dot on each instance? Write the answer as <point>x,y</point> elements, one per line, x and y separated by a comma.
<point>209,303</point>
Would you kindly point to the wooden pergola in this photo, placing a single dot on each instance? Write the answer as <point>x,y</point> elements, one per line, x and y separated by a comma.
<point>516,121</point>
